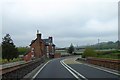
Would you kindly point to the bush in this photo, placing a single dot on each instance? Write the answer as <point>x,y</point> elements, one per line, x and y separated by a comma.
<point>4,61</point>
<point>0,61</point>
<point>10,60</point>
<point>89,52</point>
<point>113,54</point>
<point>16,59</point>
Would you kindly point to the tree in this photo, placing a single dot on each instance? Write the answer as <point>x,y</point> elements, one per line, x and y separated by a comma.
<point>23,50</point>
<point>9,51</point>
<point>118,44</point>
<point>71,49</point>
<point>89,52</point>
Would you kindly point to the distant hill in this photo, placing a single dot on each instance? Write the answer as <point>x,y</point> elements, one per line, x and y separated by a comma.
<point>102,45</point>
<point>106,45</point>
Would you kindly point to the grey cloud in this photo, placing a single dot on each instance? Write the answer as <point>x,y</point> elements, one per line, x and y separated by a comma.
<point>67,23</point>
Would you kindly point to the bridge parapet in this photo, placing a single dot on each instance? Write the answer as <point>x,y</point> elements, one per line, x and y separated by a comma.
<point>19,71</point>
<point>109,63</point>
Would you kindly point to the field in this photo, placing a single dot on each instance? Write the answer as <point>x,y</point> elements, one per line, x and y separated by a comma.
<point>109,54</point>
<point>63,52</point>
<point>115,54</point>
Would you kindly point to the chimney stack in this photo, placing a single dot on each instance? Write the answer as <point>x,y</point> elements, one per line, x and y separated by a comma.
<point>51,39</point>
<point>38,35</point>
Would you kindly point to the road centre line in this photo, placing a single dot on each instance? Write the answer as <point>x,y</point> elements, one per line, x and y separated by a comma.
<point>74,70</point>
<point>70,71</point>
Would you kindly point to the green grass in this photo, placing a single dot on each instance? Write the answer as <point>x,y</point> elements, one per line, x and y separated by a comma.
<point>109,55</point>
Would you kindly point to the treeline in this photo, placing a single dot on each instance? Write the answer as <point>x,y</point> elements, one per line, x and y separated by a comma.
<point>106,45</point>
<point>23,50</point>
<point>102,45</point>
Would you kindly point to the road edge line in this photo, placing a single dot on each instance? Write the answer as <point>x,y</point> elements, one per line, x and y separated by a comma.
<point>40,69</point>
<point>103,70</point>
<point>70,71</point>
<point>74,70</point>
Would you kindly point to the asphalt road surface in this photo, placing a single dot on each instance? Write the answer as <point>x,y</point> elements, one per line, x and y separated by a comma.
<point>93,73</point>
<point>55,70</point>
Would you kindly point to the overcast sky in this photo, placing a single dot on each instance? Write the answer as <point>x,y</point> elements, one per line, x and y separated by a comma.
<point>80,22</point>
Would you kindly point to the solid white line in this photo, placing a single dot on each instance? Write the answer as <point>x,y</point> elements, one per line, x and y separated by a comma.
<point>77,62</point>
<point>70,71</point>
<point>103,69</point>
<point>74,71</point>
<point>40,69</point>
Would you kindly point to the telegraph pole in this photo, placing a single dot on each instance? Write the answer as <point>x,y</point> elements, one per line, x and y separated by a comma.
<point>98,44</point>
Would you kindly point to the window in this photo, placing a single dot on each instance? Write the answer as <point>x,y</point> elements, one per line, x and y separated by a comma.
<point>47,49</point>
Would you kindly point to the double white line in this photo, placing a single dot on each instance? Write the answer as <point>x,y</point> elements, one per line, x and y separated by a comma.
<point>73,72</point>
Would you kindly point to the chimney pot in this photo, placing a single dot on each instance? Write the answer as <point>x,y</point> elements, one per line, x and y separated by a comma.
<point>38,35</point>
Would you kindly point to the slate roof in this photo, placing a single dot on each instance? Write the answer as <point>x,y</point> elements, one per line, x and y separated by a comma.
<point>46,41</point>
<point>33,41</point>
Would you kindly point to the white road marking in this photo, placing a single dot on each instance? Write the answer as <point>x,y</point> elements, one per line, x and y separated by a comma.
<point>70,71</point>
<point>72,61</point>
<point>74,70</point>
<point>40,69</point>
<point>103,69</point>
<point>77,62</point>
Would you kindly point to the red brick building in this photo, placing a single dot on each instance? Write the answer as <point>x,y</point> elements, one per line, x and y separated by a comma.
<point>28,56</point>
<point>42,47</point>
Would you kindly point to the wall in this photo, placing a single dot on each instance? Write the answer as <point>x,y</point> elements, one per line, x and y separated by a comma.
<point>109,63</point>
<point>57,55</point>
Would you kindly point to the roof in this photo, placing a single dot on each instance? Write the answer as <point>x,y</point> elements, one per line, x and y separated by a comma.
<point>46,41</point>
<point>33,41</point>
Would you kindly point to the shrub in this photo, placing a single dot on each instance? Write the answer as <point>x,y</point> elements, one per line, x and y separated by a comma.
<point>4,61</point>
<point>89,52</point>
<point>10,60</point>
<point>0,61</point>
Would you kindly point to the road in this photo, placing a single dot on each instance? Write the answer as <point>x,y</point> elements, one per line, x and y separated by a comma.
<point>54,70</point>
<point>59,68</point>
